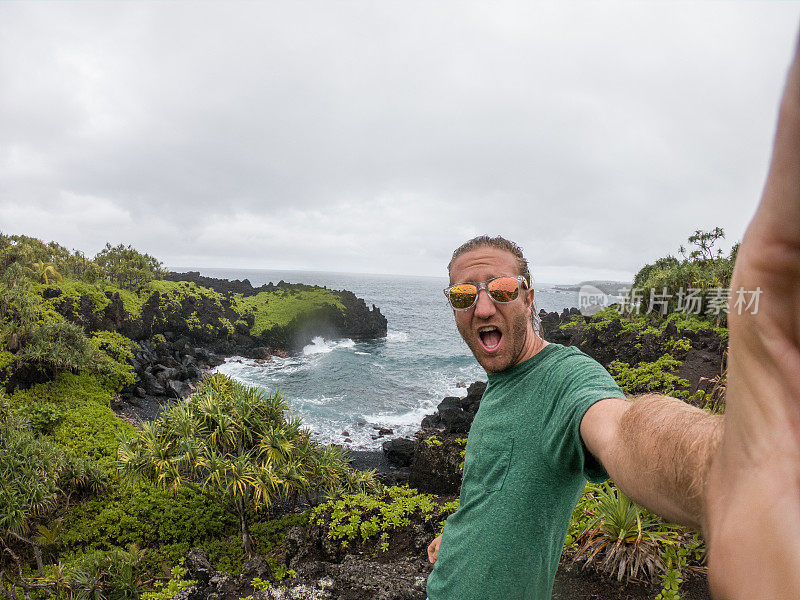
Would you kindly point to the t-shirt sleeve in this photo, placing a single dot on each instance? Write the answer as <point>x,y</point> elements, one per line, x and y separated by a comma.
<point>577,382</point>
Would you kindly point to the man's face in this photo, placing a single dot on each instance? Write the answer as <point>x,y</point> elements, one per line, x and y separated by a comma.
<point>499,335</point>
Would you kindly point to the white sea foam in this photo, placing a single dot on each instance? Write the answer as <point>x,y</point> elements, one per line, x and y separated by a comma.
<point>321,346</point>
<point>321,401</point>
<point>396,336</point>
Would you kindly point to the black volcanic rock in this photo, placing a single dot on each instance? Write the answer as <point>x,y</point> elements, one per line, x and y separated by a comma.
<point>703,360</point>
<point>455,415</point>
<point>399,451</point>
<point>437,452</point>
<point>436,466</point>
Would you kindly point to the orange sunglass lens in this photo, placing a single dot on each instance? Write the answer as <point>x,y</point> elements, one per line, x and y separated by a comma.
<point>504,289</point>
<point>463,295</point>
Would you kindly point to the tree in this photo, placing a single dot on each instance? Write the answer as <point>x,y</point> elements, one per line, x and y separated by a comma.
<point>236,446</point>
<point>46,272</point>
<point>704,269</point>
<point>38,478</point>
<point>704,241</point>
<point>127,267</point>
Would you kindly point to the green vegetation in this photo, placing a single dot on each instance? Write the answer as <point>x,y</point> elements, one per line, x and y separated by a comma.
<point>650,376</point>
<point>46,272</point>
<point>282,306</point>
<point>359,518</point>
<point>433,442</point>
<point>64,508</point>
<point>628,542</point>
<point>703,268</point>
<point>128,268</point>
<point>85,424</point>
<point>658,376</point>
<point>167,591</point>
<point>641,325</point>
<point>234,445</point>
<point>38,476</point>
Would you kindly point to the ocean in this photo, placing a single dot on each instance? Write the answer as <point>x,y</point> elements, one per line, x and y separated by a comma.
<point>345,389</point>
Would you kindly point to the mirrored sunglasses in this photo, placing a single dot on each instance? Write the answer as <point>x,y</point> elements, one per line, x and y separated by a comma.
<point>500,289</point>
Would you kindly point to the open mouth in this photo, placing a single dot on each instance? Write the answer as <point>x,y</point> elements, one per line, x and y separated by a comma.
<point>490,338</point>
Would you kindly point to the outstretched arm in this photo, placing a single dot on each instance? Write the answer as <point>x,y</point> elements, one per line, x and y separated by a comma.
<point>657,450</point>
<point>740,482</point>
<point>753,520</point>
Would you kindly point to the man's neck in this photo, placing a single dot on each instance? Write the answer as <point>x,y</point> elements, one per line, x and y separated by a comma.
<point>533,345</point>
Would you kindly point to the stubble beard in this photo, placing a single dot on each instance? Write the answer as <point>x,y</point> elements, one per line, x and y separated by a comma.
<point>519,332</point>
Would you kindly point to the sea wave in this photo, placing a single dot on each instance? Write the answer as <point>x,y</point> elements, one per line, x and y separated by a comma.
<point>396,336</point>
<point>320,345</point>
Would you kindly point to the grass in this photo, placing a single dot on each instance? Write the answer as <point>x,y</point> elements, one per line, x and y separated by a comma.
<point>281,306</point>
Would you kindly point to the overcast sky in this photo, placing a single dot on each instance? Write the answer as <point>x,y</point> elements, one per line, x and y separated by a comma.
<point>377,136</point>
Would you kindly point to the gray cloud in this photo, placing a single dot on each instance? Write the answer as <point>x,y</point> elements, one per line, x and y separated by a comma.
<point>375,137</point>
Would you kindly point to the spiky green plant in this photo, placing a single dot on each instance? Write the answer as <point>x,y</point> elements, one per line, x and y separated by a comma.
<point>622,538</point>
<point>46,272</point>
<point>235,445</point>
<point>36,477</point>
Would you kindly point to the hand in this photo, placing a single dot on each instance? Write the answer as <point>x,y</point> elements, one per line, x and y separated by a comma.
<point>752,512</point>
<point>433,549</point>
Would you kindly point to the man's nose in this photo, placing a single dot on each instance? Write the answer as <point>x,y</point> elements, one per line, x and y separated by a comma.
<point>484,307</point>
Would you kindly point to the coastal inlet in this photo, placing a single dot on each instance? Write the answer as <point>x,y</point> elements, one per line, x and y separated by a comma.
<point>347,391</point>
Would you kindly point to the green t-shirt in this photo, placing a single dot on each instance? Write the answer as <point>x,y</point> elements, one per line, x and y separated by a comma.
<point>524,470</point>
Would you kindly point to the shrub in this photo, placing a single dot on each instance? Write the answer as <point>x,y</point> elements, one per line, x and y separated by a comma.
<point>618,536</point>
<point>115,574</point>
<point>165,522</point>
<point>167,591</point>
<point>127,267</point>
<point>656,376</point>
<point>114,359</point>
<point>87,426</point>
<point>361,517</point>
<point>704,268</point>
<point>37,476</point>
<point>235,445</point>
<point>58,346</point>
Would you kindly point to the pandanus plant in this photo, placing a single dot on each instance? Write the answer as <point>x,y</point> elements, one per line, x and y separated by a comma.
<point>46,272</point>
<point>622,538</point>
<point>236,446</point>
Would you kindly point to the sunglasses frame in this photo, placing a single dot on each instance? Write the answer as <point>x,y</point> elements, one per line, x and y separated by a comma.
<point>484,285</point>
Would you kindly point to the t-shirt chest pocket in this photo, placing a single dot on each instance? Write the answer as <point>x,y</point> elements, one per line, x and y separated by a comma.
<point>486,465</point>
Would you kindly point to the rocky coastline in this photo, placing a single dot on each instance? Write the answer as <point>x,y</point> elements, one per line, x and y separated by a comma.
<point>170,356</point>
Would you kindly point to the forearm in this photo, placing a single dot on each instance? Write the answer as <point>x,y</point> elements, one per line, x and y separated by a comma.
<point>664,451</point>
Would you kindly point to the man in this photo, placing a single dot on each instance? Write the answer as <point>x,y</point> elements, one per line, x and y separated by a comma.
<point>551,416</point>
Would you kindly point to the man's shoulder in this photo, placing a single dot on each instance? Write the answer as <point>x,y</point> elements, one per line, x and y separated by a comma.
<point>570,363</point>
<point>560,353</point>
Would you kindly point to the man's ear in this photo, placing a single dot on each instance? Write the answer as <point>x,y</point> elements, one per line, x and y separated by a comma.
<point>529,295</point>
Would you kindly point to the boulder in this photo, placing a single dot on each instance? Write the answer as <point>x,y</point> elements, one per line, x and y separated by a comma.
<point>399,452</point>
<point>151,385</point>
<point>199,566</point>
<point>256,566</point>
<point>454,415</point>
<point>436,466</point>
<point>178,389</point>
<point>163,373</point>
